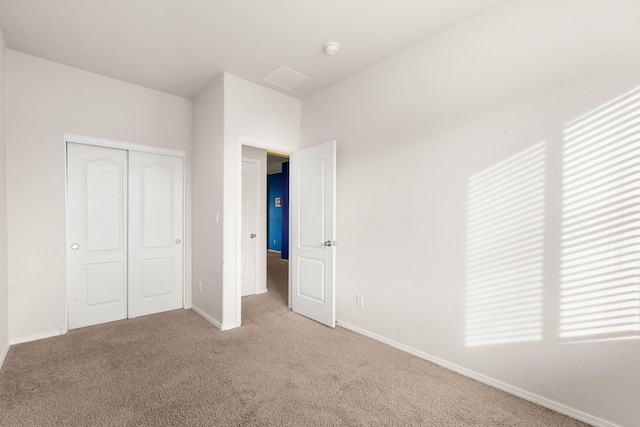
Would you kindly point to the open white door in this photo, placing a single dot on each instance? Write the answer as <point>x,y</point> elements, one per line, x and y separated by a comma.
<point>312,232</point>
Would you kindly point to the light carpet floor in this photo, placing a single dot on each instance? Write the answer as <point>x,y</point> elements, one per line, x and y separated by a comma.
<point>279,368</point>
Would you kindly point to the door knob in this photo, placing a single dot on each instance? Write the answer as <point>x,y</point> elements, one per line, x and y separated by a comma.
<point>178,241</point>
<point>75,246</point>
<point>330,243</point>
<point>253,235</point>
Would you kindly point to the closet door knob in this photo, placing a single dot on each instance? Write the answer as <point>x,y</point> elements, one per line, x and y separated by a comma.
<point>178,241</point>
<point>75,246</point>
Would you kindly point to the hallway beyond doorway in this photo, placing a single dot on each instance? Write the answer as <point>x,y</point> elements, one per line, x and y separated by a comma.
<point>277,296</point>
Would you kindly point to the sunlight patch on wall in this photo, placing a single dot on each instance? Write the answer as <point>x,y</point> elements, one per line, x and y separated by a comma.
<point>505,232</point>
<point>600,291</point>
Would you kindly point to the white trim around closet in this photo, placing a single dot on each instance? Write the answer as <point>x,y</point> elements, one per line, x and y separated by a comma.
<point>110,143</point>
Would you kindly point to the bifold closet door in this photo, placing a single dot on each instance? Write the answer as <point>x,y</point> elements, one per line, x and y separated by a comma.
<point>97,234</point>
<point>156,211</point>
<point>125,213</point>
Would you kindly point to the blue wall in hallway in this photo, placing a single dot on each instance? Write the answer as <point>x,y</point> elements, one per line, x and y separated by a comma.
<point>274,213</point>
<point>285,211</point>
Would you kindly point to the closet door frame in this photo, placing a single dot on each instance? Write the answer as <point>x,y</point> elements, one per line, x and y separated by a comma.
<point>108,143</point>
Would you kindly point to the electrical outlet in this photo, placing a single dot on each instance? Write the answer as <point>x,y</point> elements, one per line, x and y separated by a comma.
<point>200,285</point>
<point>359,300</point>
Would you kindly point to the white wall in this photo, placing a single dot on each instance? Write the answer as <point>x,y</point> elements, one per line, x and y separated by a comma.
<point>227,114</point>
<point>207,170</point>
<point>4,302</point>
<point>258,116</point>
<point>44,100</point>
<point>415,131</point>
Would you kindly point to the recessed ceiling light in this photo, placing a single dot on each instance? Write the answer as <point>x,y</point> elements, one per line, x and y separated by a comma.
<point>331,48</point>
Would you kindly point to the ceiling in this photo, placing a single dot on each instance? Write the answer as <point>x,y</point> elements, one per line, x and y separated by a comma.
<point>274,163</point>
<point>177,46</point>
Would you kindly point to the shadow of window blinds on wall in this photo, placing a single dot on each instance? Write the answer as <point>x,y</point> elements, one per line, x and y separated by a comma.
<point>505,236</point>
<point>600,290</point>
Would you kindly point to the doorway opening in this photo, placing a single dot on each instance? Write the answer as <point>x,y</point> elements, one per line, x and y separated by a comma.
<point>264,231</point>
<point>278,224</point>
<point>312,192</point>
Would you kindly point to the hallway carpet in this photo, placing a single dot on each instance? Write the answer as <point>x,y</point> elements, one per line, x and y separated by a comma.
<point>279,368</point>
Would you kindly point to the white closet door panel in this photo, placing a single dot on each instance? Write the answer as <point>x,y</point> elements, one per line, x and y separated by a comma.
<point>249,226</point>
<point>156,202</point>
<point>96,234</point>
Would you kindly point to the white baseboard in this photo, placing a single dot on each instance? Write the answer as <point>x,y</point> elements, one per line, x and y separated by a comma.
<point>3,353</point>
<point>222,327</point>
<point>542,401</point>
<point>227,326</point>
<point>210,319</point>
<point>39,336</point>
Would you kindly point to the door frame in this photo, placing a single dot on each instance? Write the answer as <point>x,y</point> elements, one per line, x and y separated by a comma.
<point>129,146</point>
<point>265,145</point>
